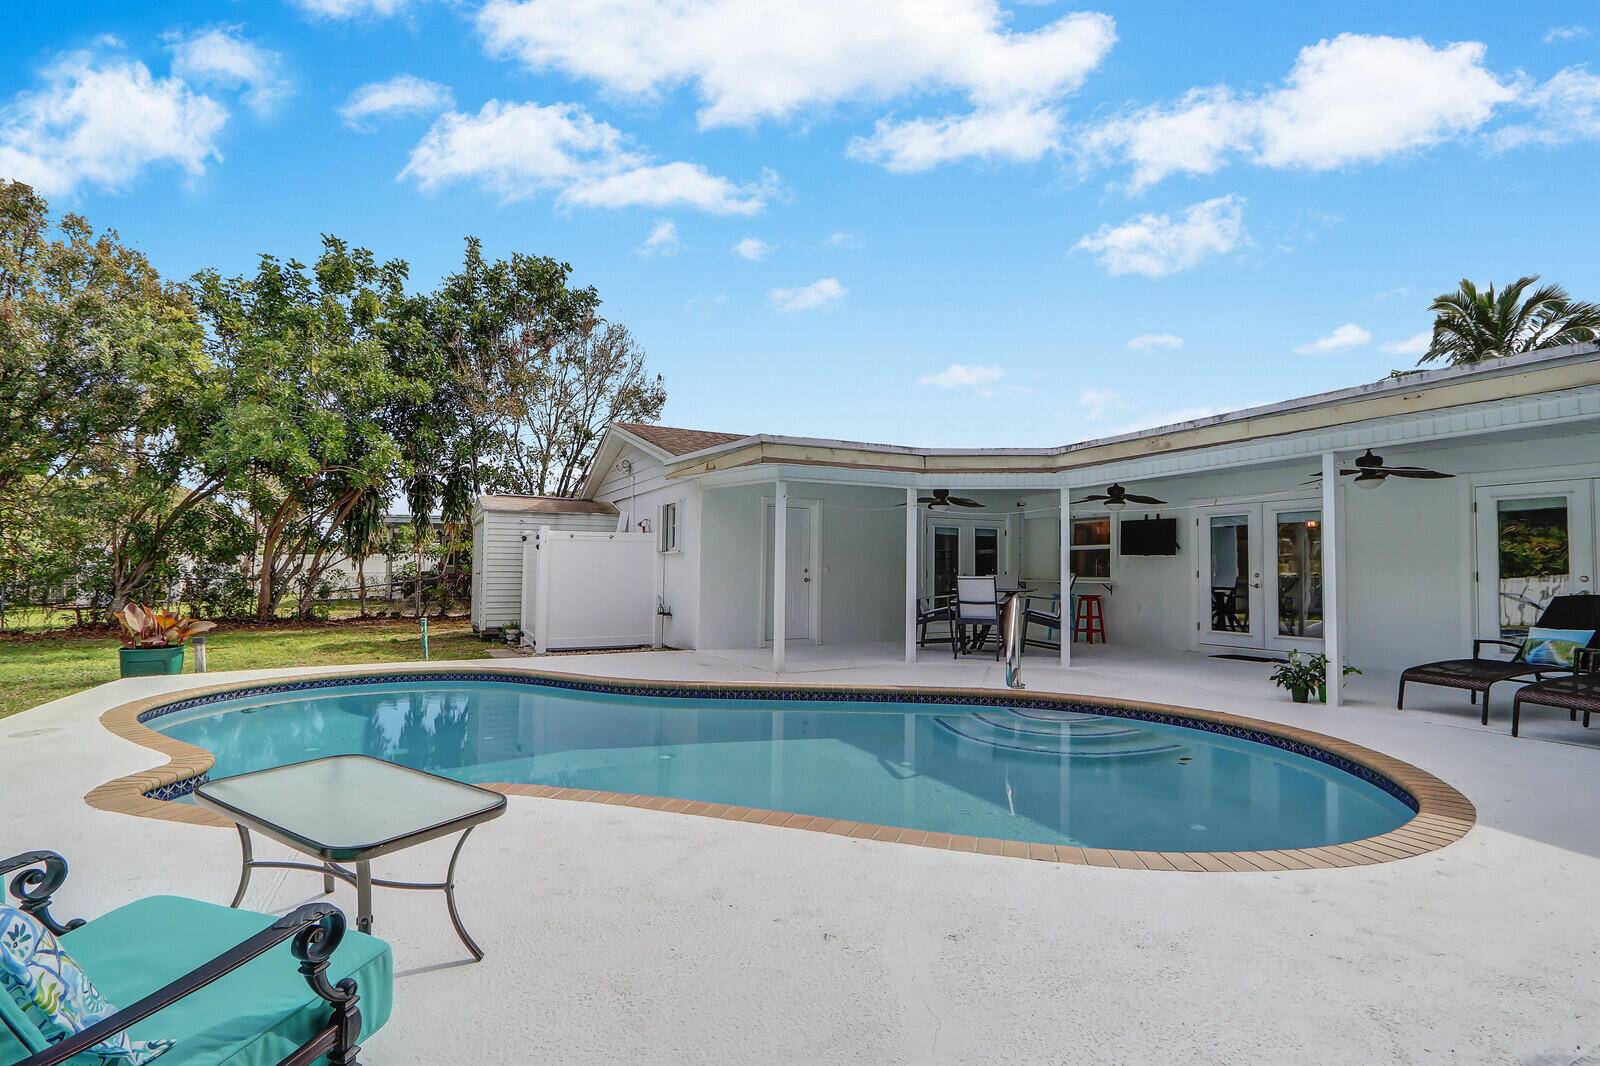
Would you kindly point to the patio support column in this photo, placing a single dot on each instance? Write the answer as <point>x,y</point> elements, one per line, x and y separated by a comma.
<point>913,520</point>
<point>1332,531</point>
<point>1064,634</point>
<point>780,573</point>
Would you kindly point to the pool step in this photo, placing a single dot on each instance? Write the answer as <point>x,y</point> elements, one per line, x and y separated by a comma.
<point>1074,735</point>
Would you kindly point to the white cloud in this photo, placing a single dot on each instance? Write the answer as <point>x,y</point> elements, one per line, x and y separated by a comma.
<point>1566,108</point>
<point>1353,99</point>
<point>1348,335</point>
<point>752,248</point>
<point>220,56</point>
<point>1018,134</point>
<point>663,239</point>
<point>101,122</point>
<point>1413,345</point>
<point>1155,340</point>
<point>752,62</point>
<point>1566,33</point>
<point>521,150</point>
<point>403,94</point>
<point>346,9</point>
<point>1158,245</point>
<point>841,239</point>
<point>824,292</point>
<point>961,376</point>
<point>1099,402</point>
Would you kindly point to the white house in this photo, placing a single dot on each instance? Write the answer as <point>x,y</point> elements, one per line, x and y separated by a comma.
<point>1273,549</point>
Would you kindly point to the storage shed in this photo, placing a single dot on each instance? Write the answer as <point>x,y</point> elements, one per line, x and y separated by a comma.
<point>500,524</point>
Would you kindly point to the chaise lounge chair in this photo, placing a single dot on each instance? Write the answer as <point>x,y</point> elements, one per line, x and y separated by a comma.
<point>1580,692</point>
<point>220,986</point>
<point>1478,674</point>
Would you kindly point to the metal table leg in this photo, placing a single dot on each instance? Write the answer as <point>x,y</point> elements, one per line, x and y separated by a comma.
<point>364,896</point>
<point>450,900</point>
<point>244,871</point>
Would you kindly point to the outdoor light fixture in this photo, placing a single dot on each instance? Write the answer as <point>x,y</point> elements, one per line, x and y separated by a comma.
<point>1116,505</point>
<point>1368,479</point>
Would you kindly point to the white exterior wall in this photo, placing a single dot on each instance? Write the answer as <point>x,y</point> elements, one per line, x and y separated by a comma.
<point>640,496</point>
<point>497,558</point>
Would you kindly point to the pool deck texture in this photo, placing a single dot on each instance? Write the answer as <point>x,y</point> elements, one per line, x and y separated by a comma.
<point>617,931</point>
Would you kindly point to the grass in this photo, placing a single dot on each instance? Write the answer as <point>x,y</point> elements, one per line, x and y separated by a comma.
<point>38,669</point>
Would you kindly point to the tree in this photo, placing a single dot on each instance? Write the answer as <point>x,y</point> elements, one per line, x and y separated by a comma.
<point>98,359</point>
<point>560,401</point>
<point>311,382</point>
<point>1470,326</point>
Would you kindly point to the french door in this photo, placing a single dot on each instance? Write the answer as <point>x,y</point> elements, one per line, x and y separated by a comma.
<point>1260,575</point>
<point>962,547</point>
<point>1534,541</point>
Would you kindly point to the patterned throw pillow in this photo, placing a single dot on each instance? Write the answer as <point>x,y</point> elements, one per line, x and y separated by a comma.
<point>1554,647</point>
<point>56,995</point>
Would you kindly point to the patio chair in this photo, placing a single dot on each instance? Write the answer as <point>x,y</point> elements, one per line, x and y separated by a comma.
<point>1045,611</point>
<point>975,613</point>
<point>931,610</point>
<point>221,986</point>
<point>1478,674</point>
<point>1580,692</point>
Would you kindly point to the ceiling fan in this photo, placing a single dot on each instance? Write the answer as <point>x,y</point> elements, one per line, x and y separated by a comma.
<point>942,498</point>
<point>1116,498</point>
<point>1370,471</point>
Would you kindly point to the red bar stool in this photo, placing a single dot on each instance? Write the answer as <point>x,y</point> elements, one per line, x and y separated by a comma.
<point>1090,622</point>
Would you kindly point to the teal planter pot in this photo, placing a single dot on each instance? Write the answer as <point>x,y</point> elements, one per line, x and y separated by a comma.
<point>145,662</point>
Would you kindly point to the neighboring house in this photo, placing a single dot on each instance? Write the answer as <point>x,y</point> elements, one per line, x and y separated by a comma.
<point>500,527</point>
<point>1414,571</point>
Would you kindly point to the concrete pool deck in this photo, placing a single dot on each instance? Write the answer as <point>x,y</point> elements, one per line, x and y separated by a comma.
<point>618,932</point>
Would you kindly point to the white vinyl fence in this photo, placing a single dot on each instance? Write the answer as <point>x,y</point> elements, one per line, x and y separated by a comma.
<point>588,590</point>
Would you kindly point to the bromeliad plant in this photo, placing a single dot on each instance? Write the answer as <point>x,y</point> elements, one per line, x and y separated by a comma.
<point>158,628</point>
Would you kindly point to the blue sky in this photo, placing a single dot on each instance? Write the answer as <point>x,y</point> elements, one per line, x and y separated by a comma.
<point>950,222</point>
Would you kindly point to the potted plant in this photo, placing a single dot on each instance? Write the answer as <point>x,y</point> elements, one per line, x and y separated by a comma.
<point>152,640</point>
<point>1298,676</point>
<point>1319,662</point>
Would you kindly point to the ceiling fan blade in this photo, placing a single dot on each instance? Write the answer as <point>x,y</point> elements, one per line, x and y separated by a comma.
<point>1131,498</point>
<point>1095,498</point>
<point>962,501</point>
<point>928,499</point>
<point>1414,472</point>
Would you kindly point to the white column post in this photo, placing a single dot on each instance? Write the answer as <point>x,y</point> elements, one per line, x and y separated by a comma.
<point>913,522</point>
<point>1332,637</point>
<point>780,573</point>
<point>1064,634</point>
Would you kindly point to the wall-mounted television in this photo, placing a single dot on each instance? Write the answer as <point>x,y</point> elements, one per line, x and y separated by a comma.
<point>1150,536</point>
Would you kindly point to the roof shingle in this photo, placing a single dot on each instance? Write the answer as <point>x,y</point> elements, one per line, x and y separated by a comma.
<point>678,441</point>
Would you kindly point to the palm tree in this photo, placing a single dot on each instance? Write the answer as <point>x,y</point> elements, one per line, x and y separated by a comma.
<point>1470,326</point>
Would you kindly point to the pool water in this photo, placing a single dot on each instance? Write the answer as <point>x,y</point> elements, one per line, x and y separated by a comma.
<point>1046,776</point>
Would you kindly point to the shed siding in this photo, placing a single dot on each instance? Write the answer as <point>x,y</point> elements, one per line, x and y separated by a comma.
<point>497,558</point>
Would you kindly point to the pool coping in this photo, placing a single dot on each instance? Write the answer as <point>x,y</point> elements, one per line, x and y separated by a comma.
<point>1443,815</point>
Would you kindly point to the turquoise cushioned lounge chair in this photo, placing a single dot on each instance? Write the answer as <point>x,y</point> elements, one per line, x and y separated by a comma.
<point>232,987</point>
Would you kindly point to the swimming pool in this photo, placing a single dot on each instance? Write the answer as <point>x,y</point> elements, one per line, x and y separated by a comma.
<point>1039,769</point>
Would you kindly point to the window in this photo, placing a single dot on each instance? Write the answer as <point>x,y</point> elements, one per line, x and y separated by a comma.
<point>667,528</point>
<point>986,552</point>
<point>1091,547</point>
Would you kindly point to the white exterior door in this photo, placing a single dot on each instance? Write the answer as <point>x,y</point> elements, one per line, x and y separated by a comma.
<point>798,597</point>
<point>1535,541</point>
<point>1230,584</point>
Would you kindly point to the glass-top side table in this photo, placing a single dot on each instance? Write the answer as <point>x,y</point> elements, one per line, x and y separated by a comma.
<point>351,809</point>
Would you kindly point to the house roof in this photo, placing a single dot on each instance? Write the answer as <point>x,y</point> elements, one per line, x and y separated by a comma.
<point>544,505</point>
<point>675,441</point>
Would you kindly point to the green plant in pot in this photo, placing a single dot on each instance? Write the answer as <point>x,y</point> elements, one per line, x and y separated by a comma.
<point>1319,662</point>
<point>1297,675</point>
<point>152,640</point>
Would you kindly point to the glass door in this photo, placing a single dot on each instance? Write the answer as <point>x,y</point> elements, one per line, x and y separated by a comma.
<point>1534,542</point>
<point>1231,577</point>
<point>1294,581</point>
<point>946,559</point>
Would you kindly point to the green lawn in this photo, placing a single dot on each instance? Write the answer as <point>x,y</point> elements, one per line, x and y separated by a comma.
<point>37,670</point>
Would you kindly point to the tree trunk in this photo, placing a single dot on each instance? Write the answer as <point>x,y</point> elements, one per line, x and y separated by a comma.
<point>361,582</point>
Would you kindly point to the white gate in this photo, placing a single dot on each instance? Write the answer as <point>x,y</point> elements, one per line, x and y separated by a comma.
<point>588,590</point>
